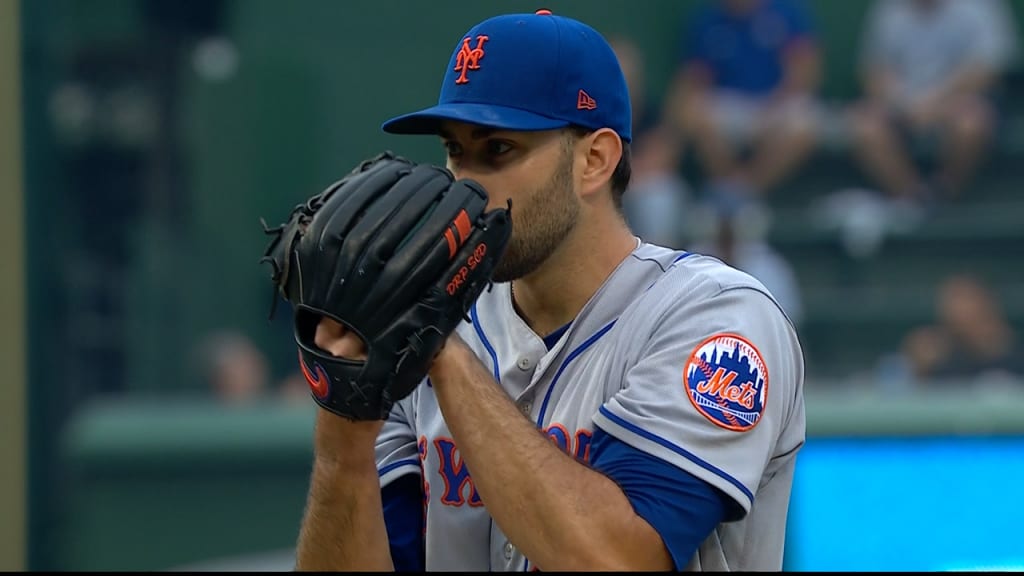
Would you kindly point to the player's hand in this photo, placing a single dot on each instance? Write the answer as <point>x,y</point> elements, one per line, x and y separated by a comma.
<point>455,350</point>
<point>334,433</point>
<point>410,281</point>
<point>333,337</point>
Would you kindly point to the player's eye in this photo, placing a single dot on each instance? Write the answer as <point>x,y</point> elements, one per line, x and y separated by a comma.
<point>452,149</point>
<point>498,147</point>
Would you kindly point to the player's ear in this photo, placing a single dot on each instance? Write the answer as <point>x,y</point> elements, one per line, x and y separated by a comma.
<point>602,150</point>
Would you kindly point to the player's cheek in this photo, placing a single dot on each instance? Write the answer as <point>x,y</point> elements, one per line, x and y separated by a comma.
<point>494,203</point>
<point>498,191</point>
<point>496,195</point>
<point>496,187</point>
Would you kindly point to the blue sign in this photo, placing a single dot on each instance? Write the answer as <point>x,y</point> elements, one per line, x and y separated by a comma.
<point>908,504</point>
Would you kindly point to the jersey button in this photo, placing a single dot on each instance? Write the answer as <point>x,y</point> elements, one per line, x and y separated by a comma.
<point>525,363</point>
<point>508,550</point>
<point>525,408</point>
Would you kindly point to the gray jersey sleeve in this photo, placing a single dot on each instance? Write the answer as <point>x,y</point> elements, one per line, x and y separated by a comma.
<point>715,389</point>
<point>396,450</point>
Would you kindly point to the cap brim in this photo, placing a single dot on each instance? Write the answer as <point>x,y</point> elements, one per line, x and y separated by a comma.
<point>428,121</point>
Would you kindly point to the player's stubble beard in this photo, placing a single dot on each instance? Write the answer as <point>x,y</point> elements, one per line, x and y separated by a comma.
<point>541,220</point>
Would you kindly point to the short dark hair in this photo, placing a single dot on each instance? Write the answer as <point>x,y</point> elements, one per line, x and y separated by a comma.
<point>623,170</point>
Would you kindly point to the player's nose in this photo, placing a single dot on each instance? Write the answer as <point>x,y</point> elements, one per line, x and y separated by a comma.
<point>470,170</point>
<point>493,200</point>
<point>461,172</point>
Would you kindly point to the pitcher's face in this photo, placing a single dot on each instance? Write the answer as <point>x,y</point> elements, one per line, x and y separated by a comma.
<point>533,169</point>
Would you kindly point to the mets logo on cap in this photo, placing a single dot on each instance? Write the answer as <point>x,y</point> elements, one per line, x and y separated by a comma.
<point>726,380</point>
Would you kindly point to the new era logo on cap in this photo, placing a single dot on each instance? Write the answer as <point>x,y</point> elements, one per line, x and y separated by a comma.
<point>585,102</point>
<point>528,72</point>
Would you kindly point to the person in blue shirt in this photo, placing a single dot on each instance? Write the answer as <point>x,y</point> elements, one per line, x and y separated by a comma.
<point>744,95</point>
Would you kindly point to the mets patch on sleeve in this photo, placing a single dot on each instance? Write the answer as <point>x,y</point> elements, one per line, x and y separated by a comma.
<point>727,381</point>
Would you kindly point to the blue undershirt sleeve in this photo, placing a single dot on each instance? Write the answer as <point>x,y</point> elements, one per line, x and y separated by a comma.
<point>403,516</point>
<point>681,508</point>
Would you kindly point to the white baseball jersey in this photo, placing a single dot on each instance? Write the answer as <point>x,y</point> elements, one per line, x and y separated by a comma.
<point>677,355</point>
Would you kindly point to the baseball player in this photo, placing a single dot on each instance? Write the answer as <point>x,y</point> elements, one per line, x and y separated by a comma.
<point>608,404</point>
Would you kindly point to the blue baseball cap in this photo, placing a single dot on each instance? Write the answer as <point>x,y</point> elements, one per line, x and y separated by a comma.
<point>528,72</point>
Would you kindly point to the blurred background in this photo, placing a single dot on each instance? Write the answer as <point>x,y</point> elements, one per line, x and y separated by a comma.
<point>864,159</point>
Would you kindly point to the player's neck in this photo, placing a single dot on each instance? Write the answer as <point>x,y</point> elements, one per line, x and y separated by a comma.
<point>554,294</point>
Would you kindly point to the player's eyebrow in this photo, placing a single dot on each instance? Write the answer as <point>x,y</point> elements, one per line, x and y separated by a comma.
<point>477,134</point>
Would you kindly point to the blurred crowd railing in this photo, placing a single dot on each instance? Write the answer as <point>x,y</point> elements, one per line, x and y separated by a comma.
<point>153,485</point>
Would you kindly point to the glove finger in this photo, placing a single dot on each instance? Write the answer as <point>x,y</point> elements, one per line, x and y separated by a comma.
<point>333,221</point>
<point>387,222</point>
<point>417,262</point>
<point>443,305</point>
<point>347,206</point>
<point>473,267</point>
<point>470,270</point>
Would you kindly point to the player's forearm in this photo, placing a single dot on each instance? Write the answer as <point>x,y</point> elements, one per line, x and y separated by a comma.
<point>343,525</point>
<point>560,513</point>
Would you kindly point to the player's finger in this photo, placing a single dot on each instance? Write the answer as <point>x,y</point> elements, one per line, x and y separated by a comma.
<point>334,338</point>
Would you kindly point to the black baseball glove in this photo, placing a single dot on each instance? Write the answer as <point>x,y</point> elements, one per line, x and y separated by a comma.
<point>396,252</point>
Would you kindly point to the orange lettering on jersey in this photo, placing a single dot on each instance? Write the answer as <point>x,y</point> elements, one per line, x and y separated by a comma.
<point>577,445</point>
<point>421,448</point>
<point>559,436</point>
<point>582,448</point>
<point>455,475</point>
<point>469,58</point>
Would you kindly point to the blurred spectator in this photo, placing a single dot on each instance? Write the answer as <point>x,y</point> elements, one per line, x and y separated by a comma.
<point>233,368</point>
<point>745,92</point>
<point>971,339</point>
<point>734,232</point>
<point>657,195</point>
<point>929,67</point>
